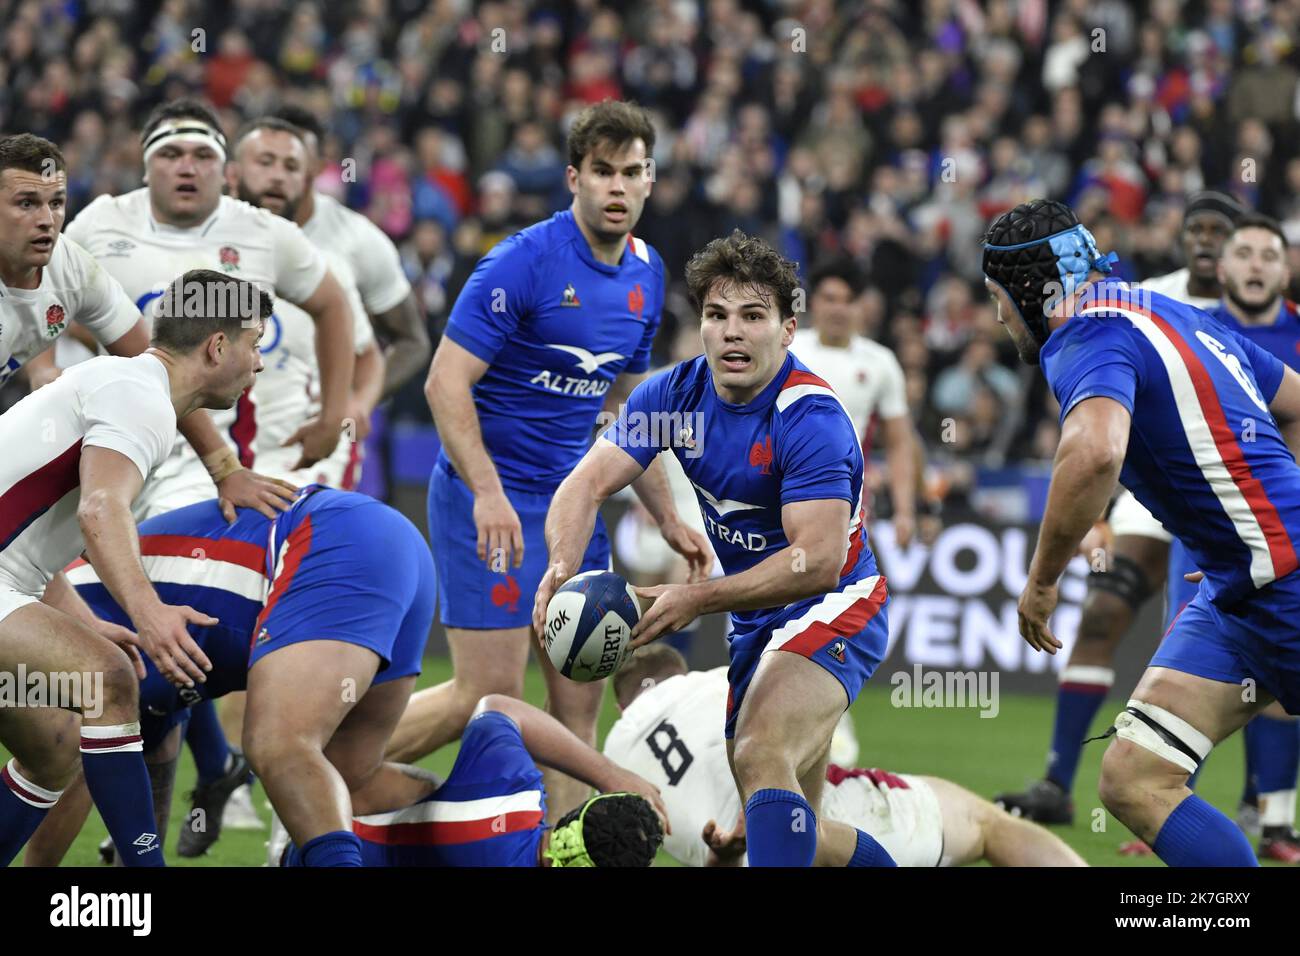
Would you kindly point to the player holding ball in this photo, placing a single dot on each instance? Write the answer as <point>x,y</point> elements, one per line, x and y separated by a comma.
<point>777,469</point>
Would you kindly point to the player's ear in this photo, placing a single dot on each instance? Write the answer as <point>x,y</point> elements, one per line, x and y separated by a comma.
<point>232,177</point>
<point>216,347</point>
<point>571,178</point>
<point>788,326</point>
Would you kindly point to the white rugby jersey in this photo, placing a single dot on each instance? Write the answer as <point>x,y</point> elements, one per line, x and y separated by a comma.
<point>866,376</point>
<point>73,288</point>
<point>672,736</point>
<point>238,239</point>
<point>374,259</point>
<point>288,388</point>
<point>110,402</point>
<point>1174,285</point>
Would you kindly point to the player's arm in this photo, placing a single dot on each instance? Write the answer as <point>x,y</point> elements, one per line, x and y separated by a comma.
<point>329,309</point>
<point>237,486</point>
<point>552,744</point>
<point>448,388</point>
<point>1285,407</point>
<point>1094,438</point>
<point>818,534</point>
<point>367,390</point>
<point>726,847</point>
<point>571,519</point>
<point>110,481</point>
<point>403,328</point>
<point>60,594</point>
<point>901,455</point>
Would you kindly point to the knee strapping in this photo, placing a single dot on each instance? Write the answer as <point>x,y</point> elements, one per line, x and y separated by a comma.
<point>1125,579</point>
<point>1167,736</point>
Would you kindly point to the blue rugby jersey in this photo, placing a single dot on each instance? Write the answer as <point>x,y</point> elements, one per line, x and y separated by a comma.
<point>793,442</point>
<point>1204,455</point>
<point>556,327</point>
<point>489,812</point>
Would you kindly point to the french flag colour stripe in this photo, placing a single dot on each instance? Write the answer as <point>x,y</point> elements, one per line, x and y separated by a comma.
<point>445,822</point>
<point>29,498</point>
<point>1214,446</point>
<point>839,614</point>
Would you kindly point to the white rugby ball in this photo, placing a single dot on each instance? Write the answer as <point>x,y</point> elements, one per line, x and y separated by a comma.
<point>589,623</point>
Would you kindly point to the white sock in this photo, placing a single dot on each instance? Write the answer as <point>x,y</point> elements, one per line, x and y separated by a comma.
<point>1277,809</point>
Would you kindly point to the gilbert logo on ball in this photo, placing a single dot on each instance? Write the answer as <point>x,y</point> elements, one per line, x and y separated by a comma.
<point>589,624</point>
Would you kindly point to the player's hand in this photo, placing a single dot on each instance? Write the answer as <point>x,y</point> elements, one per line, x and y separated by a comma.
<point>551,582</point>
<point>318,437</point>
<point>625,781</point>
<point>1037,602</point>
<point>166,639</point>
<point>500,535</point>
<point>671,608</point>
<point>1097,546</point>
<point>904,528</point>
<point>124,638</point>
<point>248,489</point>
<point>356,420</point>
<point>692,546</point>
<point>727,845</point>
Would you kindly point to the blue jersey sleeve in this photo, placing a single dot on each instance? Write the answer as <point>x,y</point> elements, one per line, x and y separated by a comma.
<point>818,453</point>
<point>640,360</point>
<point>1096,359</point>
<point>492,759</point>
<point>1269,369</point>
<point>495,299</point>
<point>637,430</point>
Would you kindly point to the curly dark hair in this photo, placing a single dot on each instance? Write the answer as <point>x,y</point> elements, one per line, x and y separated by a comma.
<point>620,829</point>
<point>746,262</point>
<point>1026,273</point>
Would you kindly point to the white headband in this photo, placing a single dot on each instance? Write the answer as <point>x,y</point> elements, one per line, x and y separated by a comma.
<point>185,130</point>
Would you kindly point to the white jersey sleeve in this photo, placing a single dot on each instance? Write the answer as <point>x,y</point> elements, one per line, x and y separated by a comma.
<point>892,400</point>
<point>380,277</point>
<point>299,266</point>
<point>124,413</point>
<point>672,735</point>
<point>102,306</point>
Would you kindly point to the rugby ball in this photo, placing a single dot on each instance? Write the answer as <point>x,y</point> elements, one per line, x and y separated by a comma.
<point>589,623</point>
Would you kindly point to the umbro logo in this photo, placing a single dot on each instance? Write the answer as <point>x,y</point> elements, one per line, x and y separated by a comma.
<point>146,842</point>
<point>120,247</point>
<point>570,297</point>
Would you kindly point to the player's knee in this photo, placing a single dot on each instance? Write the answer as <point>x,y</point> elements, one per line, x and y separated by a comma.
<point>1103,619</point>
<point>1120,785</point>
<point>760,764</point>
<point>121,690</point>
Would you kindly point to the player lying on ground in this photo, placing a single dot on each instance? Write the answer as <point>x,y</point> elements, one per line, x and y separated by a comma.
<point>777,468</point>
<point>78,452</point>
<point>491,809</point>
<point>1151,392</point>
<point>670,734</point>
<point>328,657</point>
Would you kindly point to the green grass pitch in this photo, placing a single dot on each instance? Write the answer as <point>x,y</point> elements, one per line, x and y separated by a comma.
<point>986,755</point>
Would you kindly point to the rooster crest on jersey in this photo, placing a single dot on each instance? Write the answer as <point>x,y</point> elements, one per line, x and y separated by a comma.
<point>589,623</point>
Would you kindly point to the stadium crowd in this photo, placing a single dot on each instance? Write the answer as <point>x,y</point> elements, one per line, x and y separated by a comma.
<point>883,130</point>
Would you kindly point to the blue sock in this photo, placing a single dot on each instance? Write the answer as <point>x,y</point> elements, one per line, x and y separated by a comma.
<point>207,742</point>
<point>1078,698</point>
<point>1272,754</point>
<point>780,828</point>
<point>112,760</point>
<point>1196,834</point>
<point>23,806</point>
<point>870,853</point>
<point>340,848</point>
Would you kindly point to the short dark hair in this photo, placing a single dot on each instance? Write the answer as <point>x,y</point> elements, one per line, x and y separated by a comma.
<point>614,122</point>
<point>747,262</point>
<point>303,118</point>
<point>837,267</point>
<point>266,122</point>
<point>618,829</point>
<point>1257,220</point>
<point>656,661</point>
<point>31,154</point>
<point>202,302</point>
<point>183,108</point>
